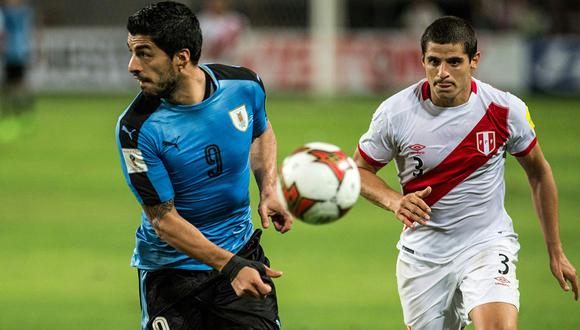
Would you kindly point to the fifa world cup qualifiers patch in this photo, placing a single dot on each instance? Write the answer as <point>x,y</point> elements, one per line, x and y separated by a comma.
<point>529,118</point>
<point>134,161</point>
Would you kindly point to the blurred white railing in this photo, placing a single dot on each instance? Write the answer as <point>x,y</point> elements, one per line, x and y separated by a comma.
<point>95,59</point>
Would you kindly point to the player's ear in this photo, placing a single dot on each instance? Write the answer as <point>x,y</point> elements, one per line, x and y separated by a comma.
<point>182,58</point>
<point>475,61</point>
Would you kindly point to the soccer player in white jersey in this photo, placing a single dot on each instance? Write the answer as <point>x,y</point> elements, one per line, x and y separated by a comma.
<point>449,135</point>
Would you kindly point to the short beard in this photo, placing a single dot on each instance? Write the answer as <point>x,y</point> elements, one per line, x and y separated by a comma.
<point>167,88</point>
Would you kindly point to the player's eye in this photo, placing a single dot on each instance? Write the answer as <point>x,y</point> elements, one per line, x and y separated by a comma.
<point>144,55</point>
<point>455,61</point>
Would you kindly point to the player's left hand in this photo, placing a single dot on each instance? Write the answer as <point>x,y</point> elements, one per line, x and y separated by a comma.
<point>271,208</point>
<point>249,283</point>
<point>564,273</point>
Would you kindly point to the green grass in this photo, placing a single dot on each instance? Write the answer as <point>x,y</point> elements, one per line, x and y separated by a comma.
<point>68,221</point>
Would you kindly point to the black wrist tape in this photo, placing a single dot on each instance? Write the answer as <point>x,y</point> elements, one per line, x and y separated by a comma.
<point>236,263</point>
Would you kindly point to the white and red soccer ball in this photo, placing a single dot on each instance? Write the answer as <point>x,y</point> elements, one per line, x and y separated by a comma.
<point>319,183</point>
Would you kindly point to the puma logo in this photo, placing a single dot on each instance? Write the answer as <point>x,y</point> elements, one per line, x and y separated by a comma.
<point>130,133</point>
<point>171,144</point>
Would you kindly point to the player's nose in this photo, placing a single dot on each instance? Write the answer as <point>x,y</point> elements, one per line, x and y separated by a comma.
<point>134,66</point>
<point>442,72</point>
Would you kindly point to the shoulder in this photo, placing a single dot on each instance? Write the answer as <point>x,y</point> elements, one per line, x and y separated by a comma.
<point>404,102</point>
<point>490,94</point>
<point>230,72</point>
<point>139,110</point>
<point>131,121</point>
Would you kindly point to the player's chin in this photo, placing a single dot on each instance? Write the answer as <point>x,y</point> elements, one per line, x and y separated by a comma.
<point>149,91</point>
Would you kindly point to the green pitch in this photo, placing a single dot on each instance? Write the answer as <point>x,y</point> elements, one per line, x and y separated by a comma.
<point>67,223</point>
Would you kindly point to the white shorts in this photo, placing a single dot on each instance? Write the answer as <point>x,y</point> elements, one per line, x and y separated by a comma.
<point>440,296</point>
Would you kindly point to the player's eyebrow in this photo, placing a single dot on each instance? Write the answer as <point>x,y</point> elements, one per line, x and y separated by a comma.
<point>454,59</point>
<point>140,47</point>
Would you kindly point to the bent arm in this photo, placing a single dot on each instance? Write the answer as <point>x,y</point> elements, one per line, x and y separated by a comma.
<point>545,201</point>
<point>184,236</point>
<point>375,189</point>
<point>408,208</point>
<point>263,162</point>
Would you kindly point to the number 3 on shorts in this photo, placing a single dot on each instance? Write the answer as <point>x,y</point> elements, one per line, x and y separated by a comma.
<point>504,261</point>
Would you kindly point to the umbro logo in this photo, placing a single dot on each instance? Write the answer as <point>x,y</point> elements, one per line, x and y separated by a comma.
<point>417,149</point>
<point>500,280</point>
<point>129,132</point>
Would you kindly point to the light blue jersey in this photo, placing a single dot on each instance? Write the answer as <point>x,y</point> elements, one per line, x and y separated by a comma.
<point>18,22</point>
<point>197,155</point>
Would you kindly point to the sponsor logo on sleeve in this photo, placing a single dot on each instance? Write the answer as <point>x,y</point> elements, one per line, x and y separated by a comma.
<point>134,161</point>
<point>239,118</point>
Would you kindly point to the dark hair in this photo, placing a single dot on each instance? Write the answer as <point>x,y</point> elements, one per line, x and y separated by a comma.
<point>172,26</point>
<point>450,30</point>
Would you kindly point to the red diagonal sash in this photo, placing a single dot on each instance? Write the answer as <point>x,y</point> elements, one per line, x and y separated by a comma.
<point>465,158</point>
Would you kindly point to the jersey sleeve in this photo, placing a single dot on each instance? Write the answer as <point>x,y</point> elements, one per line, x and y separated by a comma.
<point>144,171</point>
<point>376,146</point>
<point>522,136</point>
<point>260,117</point>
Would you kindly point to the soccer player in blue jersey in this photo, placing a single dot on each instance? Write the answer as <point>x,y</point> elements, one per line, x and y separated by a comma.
<point>187,144</point>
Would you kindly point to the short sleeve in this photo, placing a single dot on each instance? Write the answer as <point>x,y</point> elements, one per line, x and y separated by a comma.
<point>522,136</point>
<point>144,171</point>
<point>375,145</point>
<point>260,121</point>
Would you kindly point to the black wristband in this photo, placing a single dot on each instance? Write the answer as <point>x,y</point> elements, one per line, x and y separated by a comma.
<point>236,263</point>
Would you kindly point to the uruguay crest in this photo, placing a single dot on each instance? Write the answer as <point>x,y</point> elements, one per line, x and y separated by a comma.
<point>239,118</point>
<point>486,142</point>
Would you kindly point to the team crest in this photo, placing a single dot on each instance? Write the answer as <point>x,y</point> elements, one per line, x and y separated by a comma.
<point>486,142</point>
<point>239,118</point>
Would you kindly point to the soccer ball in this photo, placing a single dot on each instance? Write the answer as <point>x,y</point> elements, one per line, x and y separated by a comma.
<point>319,183</point>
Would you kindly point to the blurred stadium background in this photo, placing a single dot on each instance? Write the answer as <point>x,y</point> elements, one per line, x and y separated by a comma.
<point>67,219</point>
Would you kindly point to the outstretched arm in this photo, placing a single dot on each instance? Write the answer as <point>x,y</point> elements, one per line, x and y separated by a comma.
<point>263,162</point>
<point>408,208</point>
<point>545,200</point>
<point>183,236</point>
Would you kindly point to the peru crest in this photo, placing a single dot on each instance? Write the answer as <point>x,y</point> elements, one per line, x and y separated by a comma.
<point>486,142</point>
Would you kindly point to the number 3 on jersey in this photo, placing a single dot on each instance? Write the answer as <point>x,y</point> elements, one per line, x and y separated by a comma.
<point>419,167</point>
<point>213,156</point>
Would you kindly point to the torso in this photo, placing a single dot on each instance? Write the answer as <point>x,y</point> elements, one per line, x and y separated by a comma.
<point>459,152</point>
<point>198,156</point>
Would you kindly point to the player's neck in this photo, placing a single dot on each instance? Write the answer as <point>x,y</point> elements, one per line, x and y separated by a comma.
<point>190,88</point>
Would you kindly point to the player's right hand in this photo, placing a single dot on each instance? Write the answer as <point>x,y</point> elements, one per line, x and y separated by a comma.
<point>564,272</point>
<point>248,282</point>
<point>412,208</point>
<point>271,208</point>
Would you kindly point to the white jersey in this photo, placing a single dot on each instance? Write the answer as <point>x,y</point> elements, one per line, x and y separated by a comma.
<point>459,152</point>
